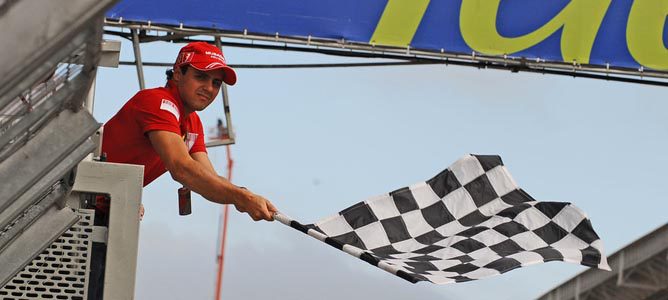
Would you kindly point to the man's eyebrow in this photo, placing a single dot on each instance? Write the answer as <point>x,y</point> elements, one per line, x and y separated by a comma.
<point>203,73</point>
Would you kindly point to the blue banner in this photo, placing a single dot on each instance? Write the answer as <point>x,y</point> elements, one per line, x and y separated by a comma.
<point>619,33</point>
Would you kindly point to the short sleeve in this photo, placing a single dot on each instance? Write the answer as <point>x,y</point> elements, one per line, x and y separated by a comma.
<point>196,125</point>
<point>154,111</point>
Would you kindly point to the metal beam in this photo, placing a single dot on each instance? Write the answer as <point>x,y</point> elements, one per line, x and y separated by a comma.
<point>638,255</point>
<point>42,153</point>
<point>32,46</point>
<point>627,78</point>
<point>34,240</point>
<point>346,48</point>
<point>301,66</point>
<point>226,110</point>
<point>56,173</point>
<point>137,51</point>
<point>31,214</point>
<point>12,87</point>
<point>41,112</point>
<point>620,269</point>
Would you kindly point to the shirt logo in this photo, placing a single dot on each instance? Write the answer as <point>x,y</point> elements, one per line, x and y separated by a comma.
<point>170,107</point>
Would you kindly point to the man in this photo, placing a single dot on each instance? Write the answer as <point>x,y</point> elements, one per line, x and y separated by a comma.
<point>160,129</point>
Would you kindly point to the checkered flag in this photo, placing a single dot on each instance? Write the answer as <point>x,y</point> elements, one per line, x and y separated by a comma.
<point>469,222</point>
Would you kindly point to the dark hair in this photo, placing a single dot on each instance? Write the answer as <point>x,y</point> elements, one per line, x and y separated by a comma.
<point>170,72</point>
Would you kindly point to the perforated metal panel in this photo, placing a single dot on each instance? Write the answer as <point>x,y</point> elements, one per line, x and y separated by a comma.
<point>60,271</point>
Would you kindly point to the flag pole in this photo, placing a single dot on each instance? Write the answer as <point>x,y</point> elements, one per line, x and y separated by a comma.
<point>352,250</point>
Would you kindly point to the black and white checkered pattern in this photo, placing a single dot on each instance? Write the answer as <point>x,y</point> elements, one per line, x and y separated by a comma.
<point>469,222</point>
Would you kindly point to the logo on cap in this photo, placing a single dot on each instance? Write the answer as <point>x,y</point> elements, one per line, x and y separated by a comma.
<point>217,56</point>
<point>185,57</point>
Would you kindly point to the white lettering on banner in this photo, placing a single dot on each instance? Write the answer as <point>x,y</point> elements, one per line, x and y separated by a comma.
<point>190,140</point>
<point>170,107</point>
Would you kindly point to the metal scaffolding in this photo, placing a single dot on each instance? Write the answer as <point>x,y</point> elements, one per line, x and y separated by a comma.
<point>50,56</point>
<point>639,272</point>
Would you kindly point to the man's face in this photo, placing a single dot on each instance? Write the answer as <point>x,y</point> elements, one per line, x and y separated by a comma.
<point>198,88</point>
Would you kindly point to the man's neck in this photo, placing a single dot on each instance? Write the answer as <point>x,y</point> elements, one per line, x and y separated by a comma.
<point>171,85</point>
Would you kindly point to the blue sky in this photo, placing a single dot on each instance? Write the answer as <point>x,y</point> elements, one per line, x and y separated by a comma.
<point>315,141</point>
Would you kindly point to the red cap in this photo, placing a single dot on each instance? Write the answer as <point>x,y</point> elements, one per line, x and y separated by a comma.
<point>205,57</point>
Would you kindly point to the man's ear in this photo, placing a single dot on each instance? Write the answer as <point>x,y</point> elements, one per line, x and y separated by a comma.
<point>176,75</point>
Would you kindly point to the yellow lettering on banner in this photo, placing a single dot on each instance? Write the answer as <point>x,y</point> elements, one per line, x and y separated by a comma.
<point>644,33</point>
<point>399,22</point>
<point>580,19</point>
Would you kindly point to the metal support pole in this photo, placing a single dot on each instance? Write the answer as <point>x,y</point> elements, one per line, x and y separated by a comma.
<point>218,43</point>
<point>89,104</point>
<point>140,70</point>
<point>90,99</point>
<point>620,272</point>
<point>226,104</point>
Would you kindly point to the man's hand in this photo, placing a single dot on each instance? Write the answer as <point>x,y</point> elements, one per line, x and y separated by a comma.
<point>256,206</point>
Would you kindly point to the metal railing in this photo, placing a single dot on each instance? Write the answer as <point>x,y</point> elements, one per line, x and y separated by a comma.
<point>50,54</point>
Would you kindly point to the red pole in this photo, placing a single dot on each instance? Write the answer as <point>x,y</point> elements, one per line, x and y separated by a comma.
<point>226,209</point>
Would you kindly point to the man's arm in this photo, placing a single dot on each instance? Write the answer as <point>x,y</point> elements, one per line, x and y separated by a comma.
<point>203,158</point>
<point>200,177</point>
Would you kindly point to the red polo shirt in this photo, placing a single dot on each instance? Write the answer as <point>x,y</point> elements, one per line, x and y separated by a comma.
<point>125,137</point>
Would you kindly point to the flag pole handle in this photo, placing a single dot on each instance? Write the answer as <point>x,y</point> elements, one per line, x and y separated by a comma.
<point>282,218</point>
